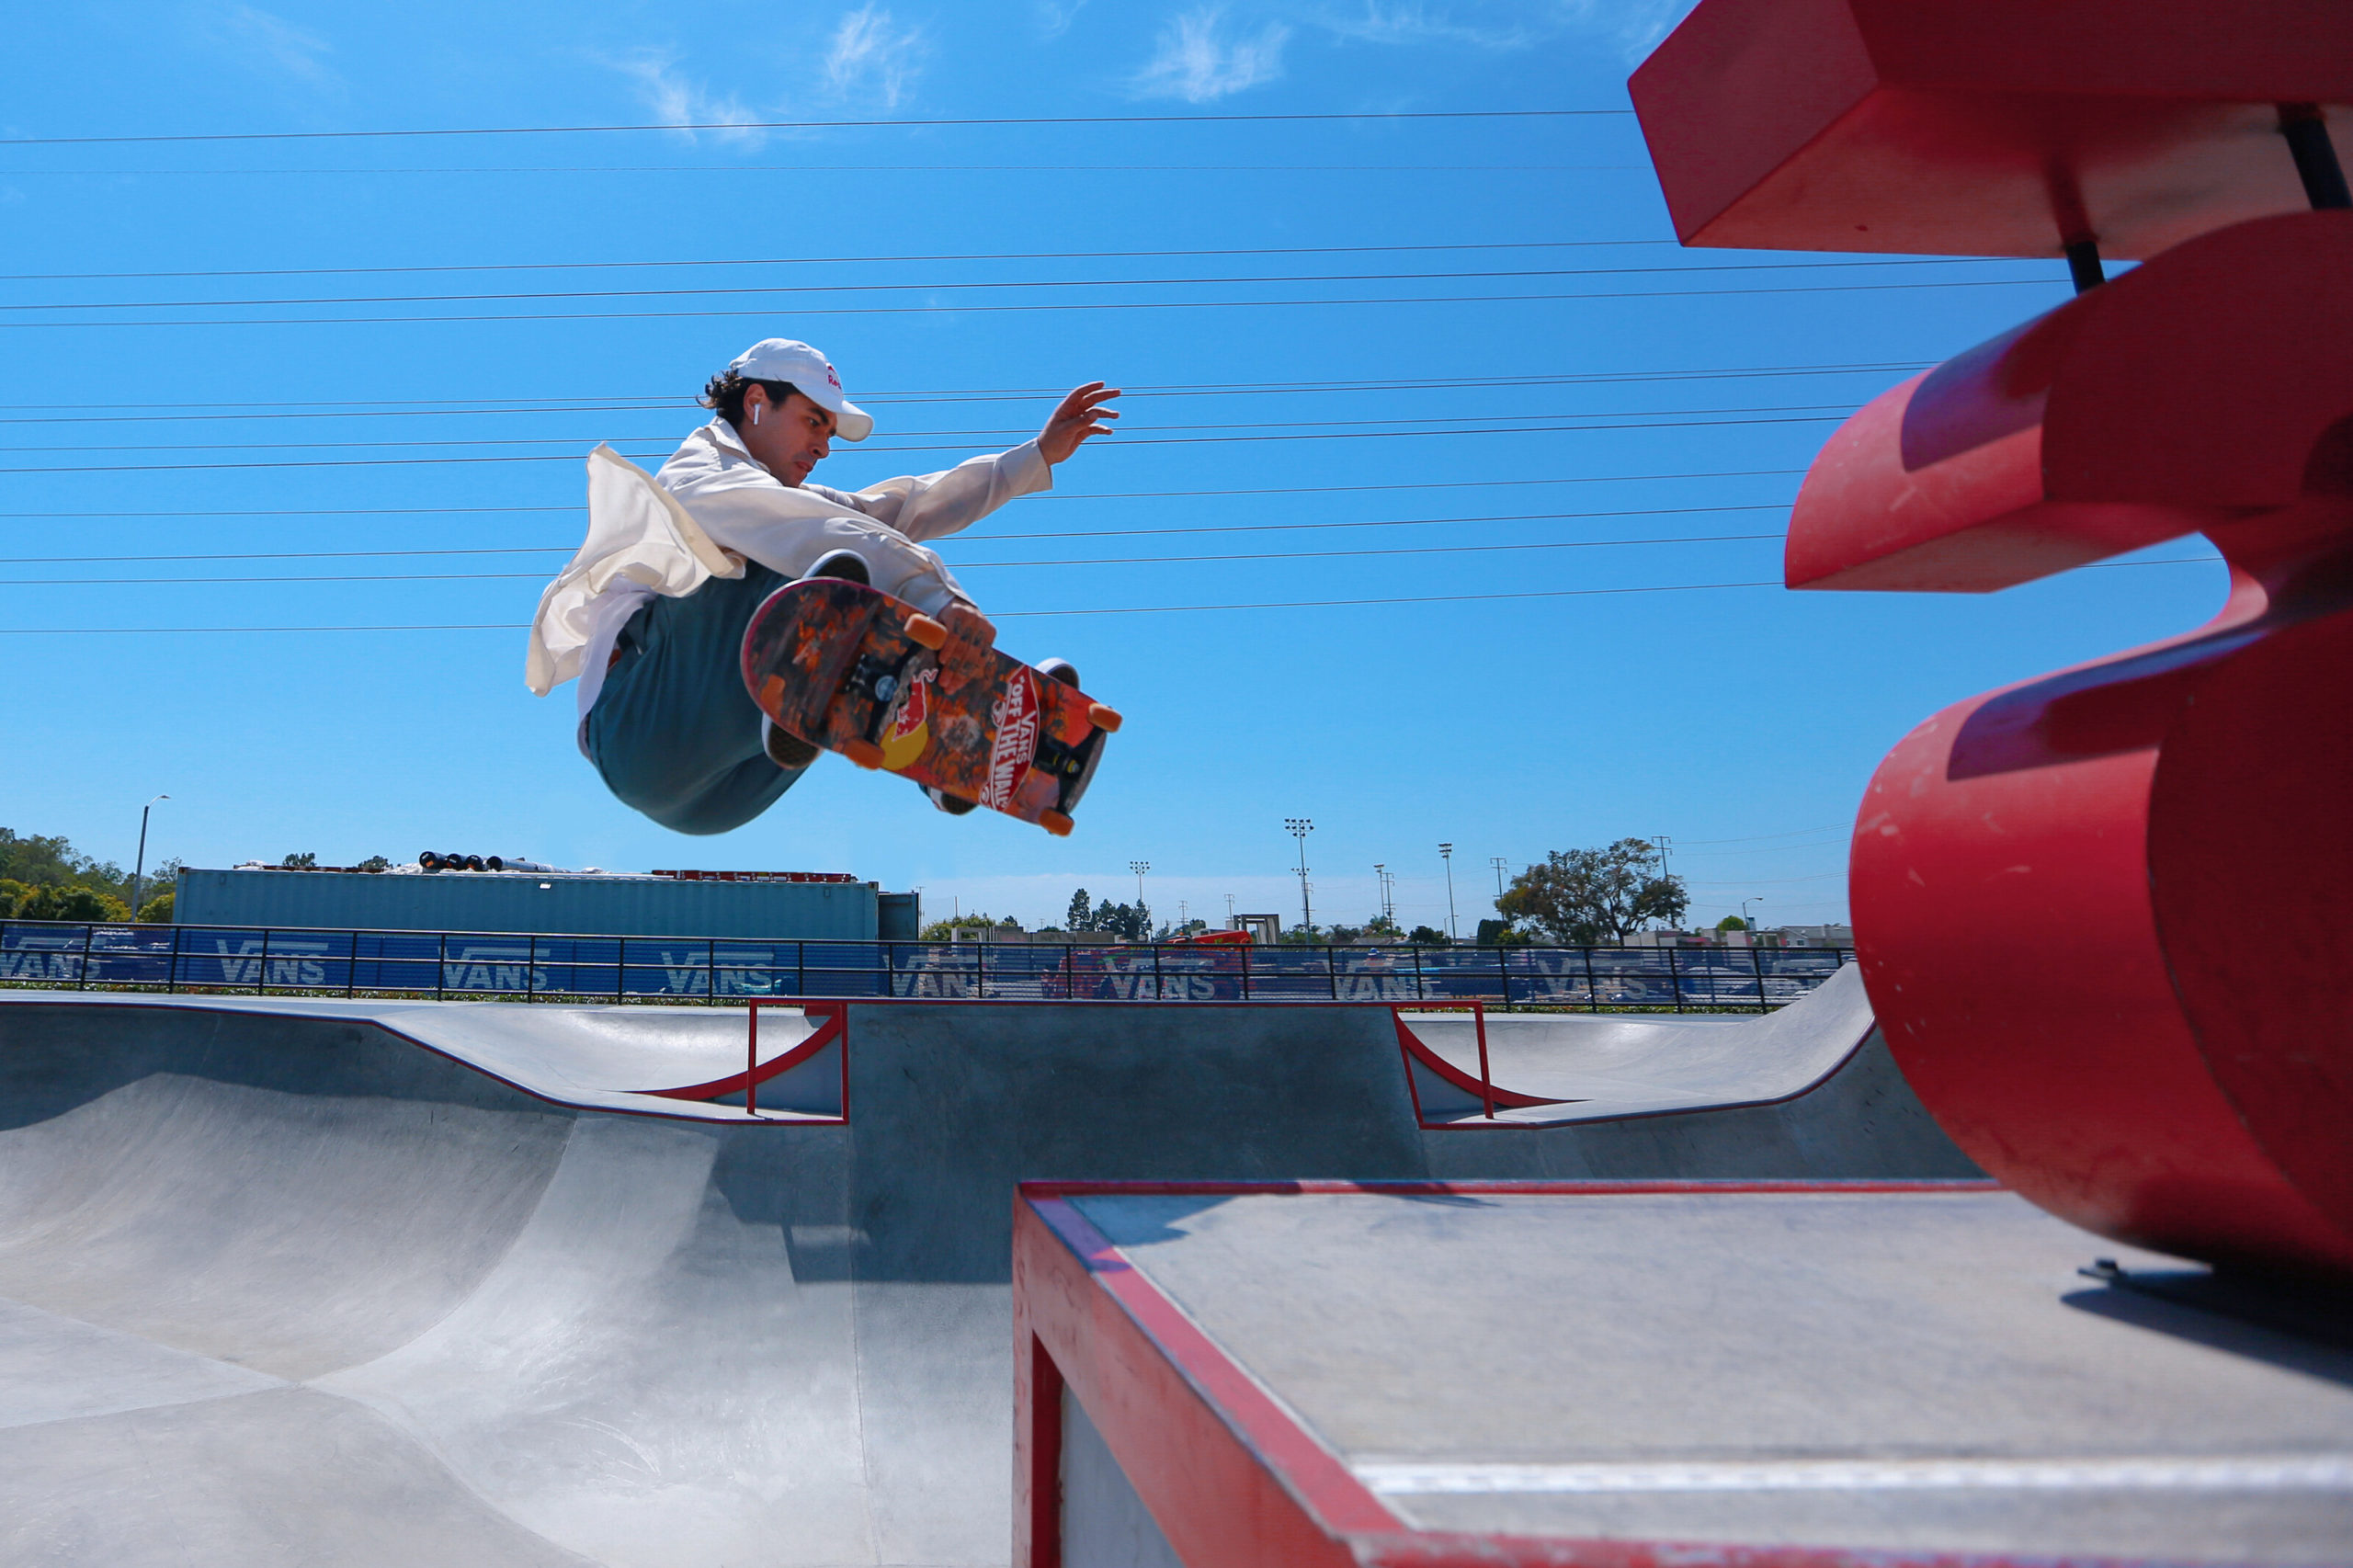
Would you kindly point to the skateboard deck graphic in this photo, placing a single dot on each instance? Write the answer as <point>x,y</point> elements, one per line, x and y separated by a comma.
<point>854,670</point>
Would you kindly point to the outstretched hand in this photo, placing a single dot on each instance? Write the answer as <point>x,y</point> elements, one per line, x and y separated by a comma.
<point>1081,414</point>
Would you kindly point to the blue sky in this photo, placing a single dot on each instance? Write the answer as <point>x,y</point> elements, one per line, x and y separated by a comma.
<point>1350,403</point>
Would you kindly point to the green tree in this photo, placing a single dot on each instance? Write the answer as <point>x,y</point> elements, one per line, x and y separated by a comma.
<point>306,861</point>
<point>1081,915</point>
<point>60,900</point>
<point>373,863</point>
<point>157,911</point>
<point>52,861</point>
<point>1731,923</point>
<point>1582,898</point>
<point>1382,926</point>
<point>1500,934</point>
<point>1427,937</point>
<point>1131,921</point>
<point>945,930</point>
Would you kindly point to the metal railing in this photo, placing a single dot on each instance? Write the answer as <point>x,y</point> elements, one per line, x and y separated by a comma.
<point>513,965</point>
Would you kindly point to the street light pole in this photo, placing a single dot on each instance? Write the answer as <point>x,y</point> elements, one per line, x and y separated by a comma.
<point>1744,920</point>
<point>1446,853</point>
<point>138,871</point>
<point>1298,828</point>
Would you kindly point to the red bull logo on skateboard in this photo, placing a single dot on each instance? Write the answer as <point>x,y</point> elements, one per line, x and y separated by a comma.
<point>909,732</point>
<point>1014,717</point>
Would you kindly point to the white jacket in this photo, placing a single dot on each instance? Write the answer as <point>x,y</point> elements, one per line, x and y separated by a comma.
<point>712,507</point>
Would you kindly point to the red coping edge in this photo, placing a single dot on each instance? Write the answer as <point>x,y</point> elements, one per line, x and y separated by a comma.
<point>835,1026</point>
<point>1229,1476</point>
<point>1410,1047</point>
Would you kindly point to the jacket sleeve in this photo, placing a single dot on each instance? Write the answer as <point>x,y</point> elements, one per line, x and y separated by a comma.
<point>933,506</point>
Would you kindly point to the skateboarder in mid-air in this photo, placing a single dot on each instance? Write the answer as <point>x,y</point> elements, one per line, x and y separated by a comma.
<point>650,615</point>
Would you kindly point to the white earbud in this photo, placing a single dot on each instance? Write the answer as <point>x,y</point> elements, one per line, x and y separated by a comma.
<point>756,413</point>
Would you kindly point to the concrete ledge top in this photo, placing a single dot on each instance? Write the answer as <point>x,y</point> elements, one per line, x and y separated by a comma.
<point>1860,1369</point>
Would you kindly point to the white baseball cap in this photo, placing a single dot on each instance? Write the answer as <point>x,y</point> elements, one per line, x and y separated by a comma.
<point>786,359</point>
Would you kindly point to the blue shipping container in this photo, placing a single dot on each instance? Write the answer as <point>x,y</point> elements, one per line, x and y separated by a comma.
<point>577,906</point>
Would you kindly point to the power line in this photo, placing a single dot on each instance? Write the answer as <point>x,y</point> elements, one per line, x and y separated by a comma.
<point>874,169</point>
<point>741,125</point>
<point>1022,432</point>
<point>466,408</point>
<point>997,614</point>
<point>1759,839</point>
<point>1022,614</point>
<point>992,537</point>
<point>1137,441</point>
<point>111,514</point>
<point>1006,309</point>
<point>960,565</point>
<point>1047,305</point>
<point>935,286</point>
<point>829,260</point>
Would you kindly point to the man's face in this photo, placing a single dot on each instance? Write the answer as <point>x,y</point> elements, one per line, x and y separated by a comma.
<point>789,438</point>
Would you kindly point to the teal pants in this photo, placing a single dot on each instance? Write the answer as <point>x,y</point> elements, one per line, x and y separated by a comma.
<point>674,732</point>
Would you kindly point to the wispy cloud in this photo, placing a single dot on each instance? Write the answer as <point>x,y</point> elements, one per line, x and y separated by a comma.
<point>271,44</point>
<point>1407,21</point>
<point>1633,26</point>
<point>676,100</point>
<point>1055,17</point>
<point>871,56</point>
<point>1196,58</point>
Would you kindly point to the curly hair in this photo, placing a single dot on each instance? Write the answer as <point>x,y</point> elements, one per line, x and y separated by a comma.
<point>723,394</point>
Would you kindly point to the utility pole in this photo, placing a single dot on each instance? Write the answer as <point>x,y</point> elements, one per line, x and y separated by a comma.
<point>1499,862</point>
<point>1446,853</point>
<point>1381,879</point>
<point>1229,911</point>
<point>1298,828</point>
<point>138,871</point>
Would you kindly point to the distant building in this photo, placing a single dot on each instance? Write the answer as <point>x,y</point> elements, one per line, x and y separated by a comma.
<point>779,907</point>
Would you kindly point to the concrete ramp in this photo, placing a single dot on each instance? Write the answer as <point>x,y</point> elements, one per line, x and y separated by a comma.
<point>679,1062</point>
<point>297,1284</point>
<point>1557,1069</point>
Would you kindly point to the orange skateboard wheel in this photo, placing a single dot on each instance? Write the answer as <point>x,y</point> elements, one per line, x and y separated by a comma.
<point>925,632</point>
<point>864,753</point>
<point>1056,823</point>
<point>1104,719</point>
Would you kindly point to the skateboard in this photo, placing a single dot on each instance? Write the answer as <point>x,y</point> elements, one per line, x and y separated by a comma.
<point>851,669</point>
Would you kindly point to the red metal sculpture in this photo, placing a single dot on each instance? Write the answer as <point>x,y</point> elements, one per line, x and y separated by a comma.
<point>2102,915</point>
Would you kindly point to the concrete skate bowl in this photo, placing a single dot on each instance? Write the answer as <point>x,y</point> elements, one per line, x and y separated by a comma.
<point>1559,1069</point>
<point>278,1286</point>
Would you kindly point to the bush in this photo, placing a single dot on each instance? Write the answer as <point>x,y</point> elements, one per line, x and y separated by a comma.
<point>157,911</point>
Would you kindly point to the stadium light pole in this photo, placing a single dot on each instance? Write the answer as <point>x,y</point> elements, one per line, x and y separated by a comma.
<point>1138,868</point>
<point>1446,853</point>
<point>139,870</point>
<point>1298,828</point>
